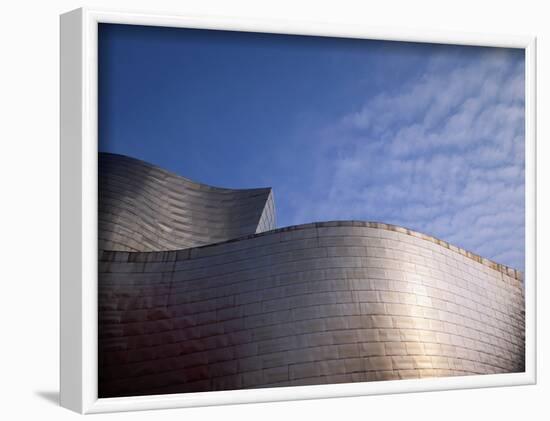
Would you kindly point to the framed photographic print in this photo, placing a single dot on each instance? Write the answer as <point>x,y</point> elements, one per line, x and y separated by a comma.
<point>264,211</point>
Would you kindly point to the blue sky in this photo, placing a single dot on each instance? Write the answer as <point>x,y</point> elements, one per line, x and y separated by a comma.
<point>430,137</point>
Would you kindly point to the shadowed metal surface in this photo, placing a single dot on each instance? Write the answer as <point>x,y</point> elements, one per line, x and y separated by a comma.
<point>146,208</point>
<point>313,304</point>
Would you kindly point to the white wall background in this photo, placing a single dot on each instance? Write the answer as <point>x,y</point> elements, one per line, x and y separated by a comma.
<point>29,195</point>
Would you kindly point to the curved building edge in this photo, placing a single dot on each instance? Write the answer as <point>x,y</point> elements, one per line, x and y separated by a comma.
<point>143,207</point>
<point>507,270</point>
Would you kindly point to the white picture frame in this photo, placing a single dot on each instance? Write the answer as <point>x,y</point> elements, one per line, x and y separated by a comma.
<point>79,146</point>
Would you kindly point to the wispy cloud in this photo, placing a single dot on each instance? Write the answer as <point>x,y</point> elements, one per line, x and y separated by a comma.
<point>442,154</point>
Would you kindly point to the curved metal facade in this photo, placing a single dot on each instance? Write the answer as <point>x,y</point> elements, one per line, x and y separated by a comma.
<point>145,208</point>
<point>312,304</point>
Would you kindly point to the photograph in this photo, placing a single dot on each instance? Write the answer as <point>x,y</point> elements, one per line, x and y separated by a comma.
<point>282,210</point>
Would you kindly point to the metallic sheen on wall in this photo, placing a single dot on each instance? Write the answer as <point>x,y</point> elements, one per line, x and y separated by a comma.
<point>199,292</point>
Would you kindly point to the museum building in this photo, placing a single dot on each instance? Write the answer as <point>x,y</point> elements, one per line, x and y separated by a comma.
<point>199,291</point>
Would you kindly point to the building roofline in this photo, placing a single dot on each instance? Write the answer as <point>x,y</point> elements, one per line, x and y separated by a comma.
<point>509,271</point>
